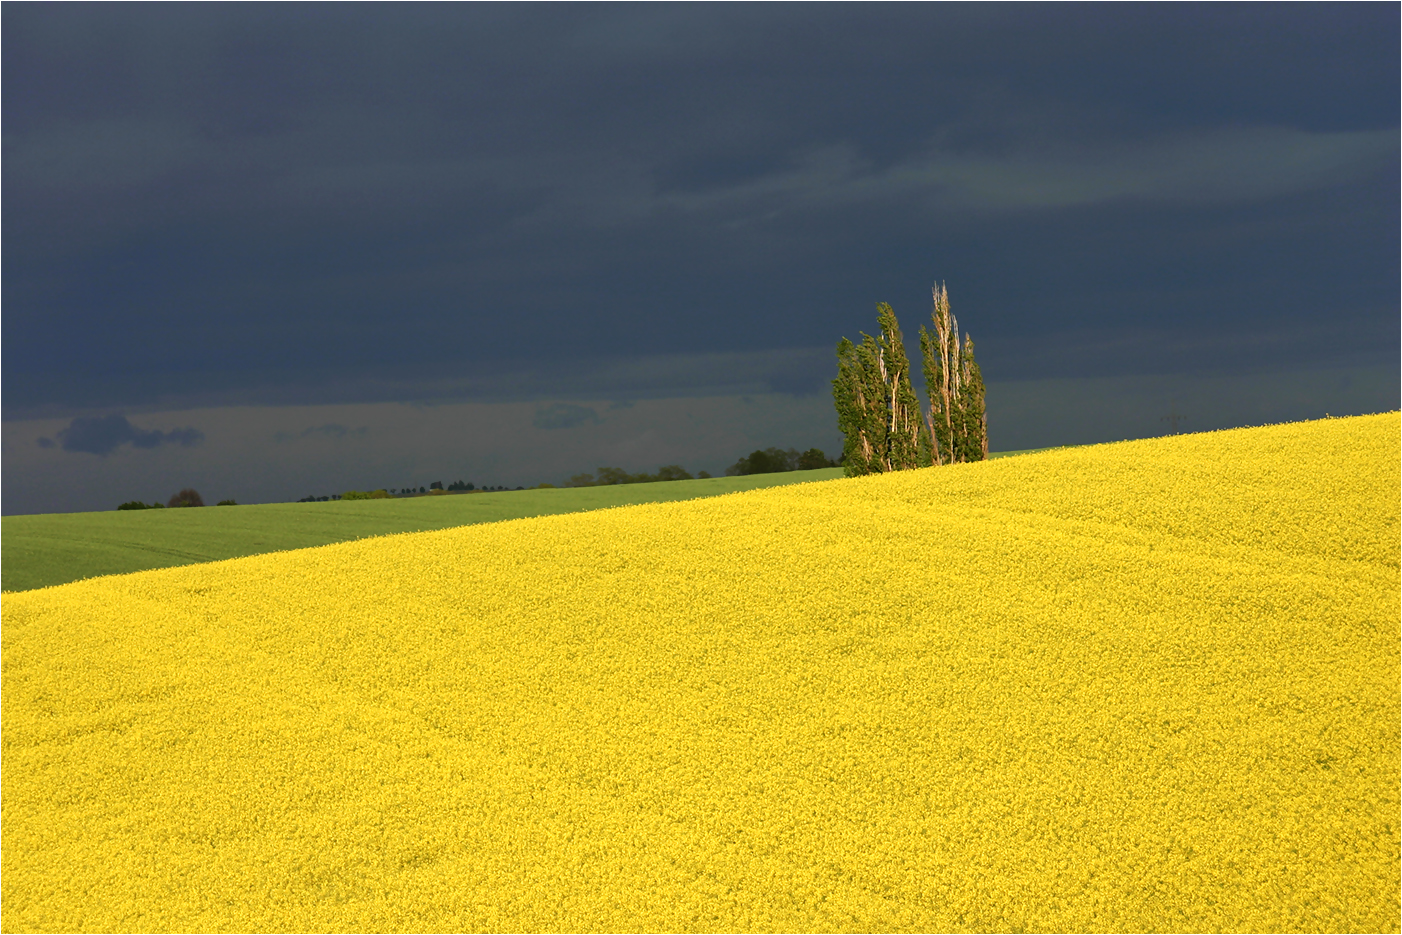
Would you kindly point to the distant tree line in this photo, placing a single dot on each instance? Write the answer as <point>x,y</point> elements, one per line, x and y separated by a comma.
<point>774,461</point>
<point>609,476</point>
<point>879,414</point>
<point>768,461</point>
<point>187,497</point>
<point>394,493</point>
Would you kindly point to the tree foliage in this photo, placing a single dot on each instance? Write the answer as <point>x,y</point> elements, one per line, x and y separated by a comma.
<point>975,440</point>
<point>907,436</point>
<point>776,460</point>
<point>608,476</point>
<point>877,409</point>
<point>878,412</point>
<point>187,497</point>
<point>857,394</point>
<point>671,472</point>
<point>769,461</point>
<point>954,384</point>
<point>813,460</point>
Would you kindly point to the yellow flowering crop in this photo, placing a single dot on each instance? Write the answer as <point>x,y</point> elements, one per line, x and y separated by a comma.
<point>1148,686</point>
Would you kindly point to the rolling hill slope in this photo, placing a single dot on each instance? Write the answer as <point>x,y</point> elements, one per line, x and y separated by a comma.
<point>1150,686</point>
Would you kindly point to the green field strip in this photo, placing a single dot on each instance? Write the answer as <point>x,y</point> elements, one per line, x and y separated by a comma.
<point>55,548</point>
<point>43,550</point>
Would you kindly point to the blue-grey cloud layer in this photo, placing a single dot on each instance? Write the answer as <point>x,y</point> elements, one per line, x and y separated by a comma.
<point>565,416</point>
<point>329,430</point>
<point>288,203</point>
<point>104,435</point>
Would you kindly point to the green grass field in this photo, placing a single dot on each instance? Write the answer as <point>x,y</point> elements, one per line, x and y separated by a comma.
<point>55,548</point>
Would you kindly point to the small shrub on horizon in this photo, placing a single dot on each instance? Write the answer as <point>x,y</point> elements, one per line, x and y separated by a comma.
<point>187,497</point>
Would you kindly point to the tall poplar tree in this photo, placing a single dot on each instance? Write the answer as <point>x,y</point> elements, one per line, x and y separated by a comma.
<point>908,441</point>
<point>877,411</point>
<point>938,352</point>
<point>858,393</point>
<point>975,434</point>
<point>957,421</point>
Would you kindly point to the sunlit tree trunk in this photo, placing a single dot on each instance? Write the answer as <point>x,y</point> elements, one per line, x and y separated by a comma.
<point>939,351</point>
<point>957,418</point>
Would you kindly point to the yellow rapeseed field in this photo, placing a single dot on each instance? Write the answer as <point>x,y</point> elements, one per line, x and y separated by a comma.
<point>1148,686</point>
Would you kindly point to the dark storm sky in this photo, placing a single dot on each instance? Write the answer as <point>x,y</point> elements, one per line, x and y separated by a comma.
<point>212,204</point>
<point>272,250</point>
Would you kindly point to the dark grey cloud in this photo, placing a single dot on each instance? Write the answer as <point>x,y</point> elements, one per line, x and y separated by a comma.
<point>104,435</point>
<point>564,416</point>
<point>329,430</point>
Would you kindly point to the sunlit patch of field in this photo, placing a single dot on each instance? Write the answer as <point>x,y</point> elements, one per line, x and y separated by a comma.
<point>1149,686</point>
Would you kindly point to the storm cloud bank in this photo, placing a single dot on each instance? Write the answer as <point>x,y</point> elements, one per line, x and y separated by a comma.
<point>246,208</point>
